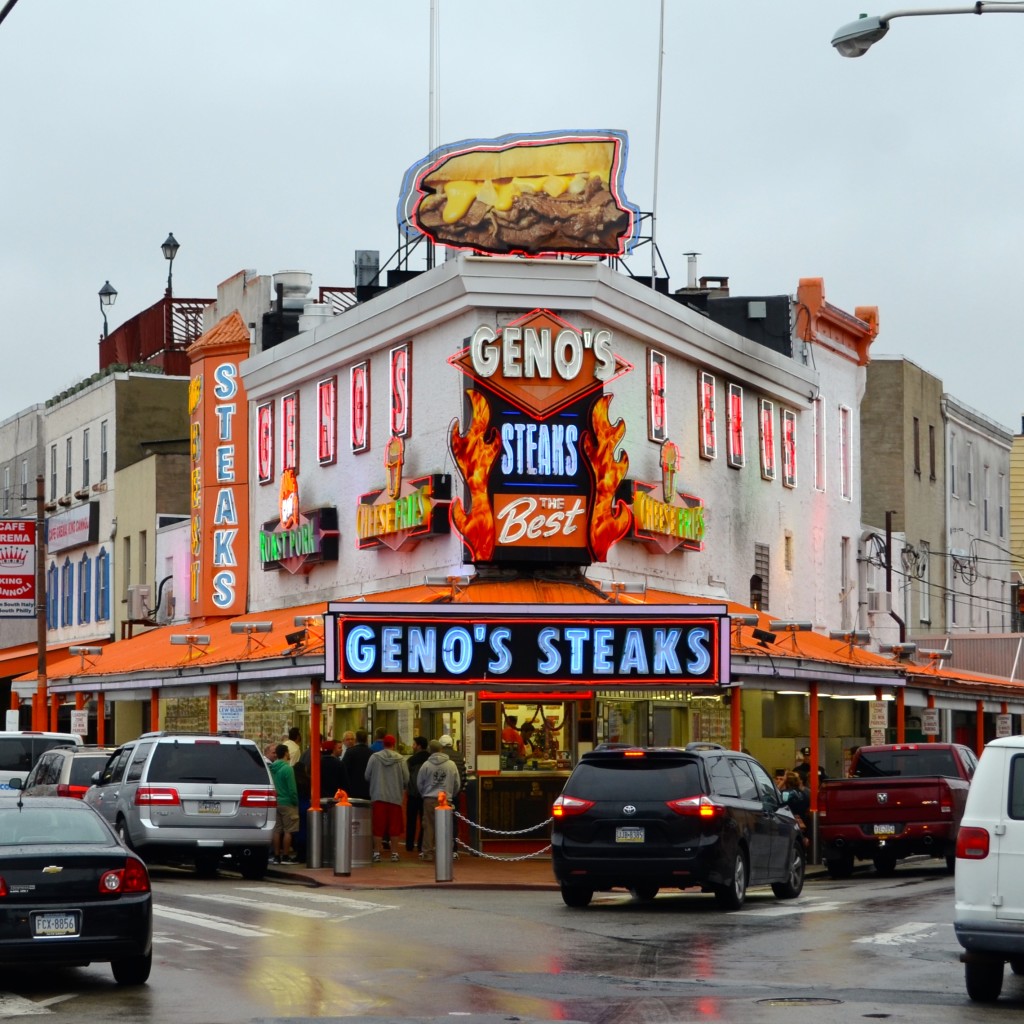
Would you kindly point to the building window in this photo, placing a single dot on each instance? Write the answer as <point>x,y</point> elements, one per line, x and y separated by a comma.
<point>126,568</point>
<point>917,446</point>
<point>760,579</point>
<point>787,551</point>
<point>143,556</point>
<point>67,466</point>
<point>1000,500</point>
<point>52,598</point>
<point>708,429</point>
<point>102,586</point>
<point>24,483</point>
<point>925,586</point>
<point>970,472</point>
<point>401,391</point>
<point>931,451</point>
<point>735,451</point>
<point>846,452</point>
<point>766,434</point>
<point>657,408</point>
<point>265,443</point>
<point>85,458</point>
<point>7,489</point>
<point>819,444</point>
<point>952,464</point>
<point>84,590</point>
<point>53,472</point>
<point>327,421</point>
<point>290,432</point>
<point>67,593</point>
<point>984,498</point>
<point>103,450</point>
<point>359,407</point>
<point>788,448</point>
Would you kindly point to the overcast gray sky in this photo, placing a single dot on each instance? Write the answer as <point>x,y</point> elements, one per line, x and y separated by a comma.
<point>273,134</point>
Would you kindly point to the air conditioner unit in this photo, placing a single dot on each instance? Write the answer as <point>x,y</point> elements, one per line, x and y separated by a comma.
<point>165,613</point>
<point>138,601</point>
<point>879,601</point>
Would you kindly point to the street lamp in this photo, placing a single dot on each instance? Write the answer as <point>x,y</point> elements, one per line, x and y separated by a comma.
<point>108,293</point>
<point>855,39</point>
<point>170,250</point>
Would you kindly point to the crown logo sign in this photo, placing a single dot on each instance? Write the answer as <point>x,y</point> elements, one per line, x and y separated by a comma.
<point>13,557</point>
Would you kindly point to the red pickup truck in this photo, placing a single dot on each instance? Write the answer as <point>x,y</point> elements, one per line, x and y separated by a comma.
<point>901,799</point>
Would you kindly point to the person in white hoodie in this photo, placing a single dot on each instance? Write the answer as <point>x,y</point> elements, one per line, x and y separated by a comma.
<point>436,774</point>
<point>388,776</point>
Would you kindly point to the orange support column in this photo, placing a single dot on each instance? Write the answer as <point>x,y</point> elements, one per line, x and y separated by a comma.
<point>812,702</point>
<point>315,698</point>
<point>54,708</point>
<point>901,715</point>
<point>154,709</point>
<point>736,717</point>
<point>213,709</point>
<point>101,719</point>
<point>15,700</point>
<point>979,740</point>
<point>79,701</point>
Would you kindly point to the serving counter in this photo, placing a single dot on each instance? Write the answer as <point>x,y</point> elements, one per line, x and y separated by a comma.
<point>512,801</point>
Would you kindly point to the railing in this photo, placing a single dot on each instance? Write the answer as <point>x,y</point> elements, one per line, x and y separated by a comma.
<point>157,336</point>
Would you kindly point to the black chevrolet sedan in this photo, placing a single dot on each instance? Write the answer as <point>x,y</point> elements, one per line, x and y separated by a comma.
<point>70,892</point>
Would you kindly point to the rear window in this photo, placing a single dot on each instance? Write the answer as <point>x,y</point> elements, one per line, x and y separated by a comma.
<point>83,767</point>
<point>228,762</point>
<point>1017,787</point>
<point>20,753</point>
<point>905,763</point>
<point>634,779</point>
<point>75,824</point>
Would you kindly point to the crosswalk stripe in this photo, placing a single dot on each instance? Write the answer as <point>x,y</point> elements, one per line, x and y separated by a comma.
<point>909,932</point>
<point>336,910</point>
<point>217,924</point>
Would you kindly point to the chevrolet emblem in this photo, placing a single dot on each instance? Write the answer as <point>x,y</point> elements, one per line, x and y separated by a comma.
<point>52,869</point>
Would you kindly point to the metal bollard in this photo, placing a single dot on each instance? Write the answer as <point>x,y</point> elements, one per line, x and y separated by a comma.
<point>443,838</point>
<point>314,837</point>
<point>342,834</point>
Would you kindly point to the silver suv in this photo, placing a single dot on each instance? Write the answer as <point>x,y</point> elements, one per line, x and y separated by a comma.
<point>192,798</point>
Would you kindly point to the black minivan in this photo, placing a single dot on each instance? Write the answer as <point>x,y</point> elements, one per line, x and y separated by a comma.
<point>650,818</point>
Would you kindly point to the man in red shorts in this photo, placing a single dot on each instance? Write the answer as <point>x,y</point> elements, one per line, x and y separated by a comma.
<point>388,776</point>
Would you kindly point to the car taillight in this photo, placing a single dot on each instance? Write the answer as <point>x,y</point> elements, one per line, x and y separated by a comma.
<point>3,887</point>
<point>132,878</point>
<point>697,807</point>
<point>972,843</point>
<point>258,798</point>
<point>63,789</point>
<point>567,806</point>
<point>148,795</point>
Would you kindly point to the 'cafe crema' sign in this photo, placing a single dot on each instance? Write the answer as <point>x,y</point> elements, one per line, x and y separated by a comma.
<point>540,454</point>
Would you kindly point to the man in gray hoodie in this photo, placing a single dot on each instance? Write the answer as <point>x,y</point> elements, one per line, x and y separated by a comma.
<point>436,775</point>
<point>388,776</point>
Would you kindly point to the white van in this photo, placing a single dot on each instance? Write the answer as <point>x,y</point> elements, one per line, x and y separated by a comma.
<point>19,751</point>
<point>989,883</point>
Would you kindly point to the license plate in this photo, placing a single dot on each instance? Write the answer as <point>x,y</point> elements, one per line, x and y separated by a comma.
<point>48,926</point>
<point>885,830</point>
<point>209,807</point>
<point>629,835</point>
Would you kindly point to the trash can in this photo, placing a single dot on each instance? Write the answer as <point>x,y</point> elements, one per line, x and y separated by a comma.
<point>362,833</point>
<point>327,832</point>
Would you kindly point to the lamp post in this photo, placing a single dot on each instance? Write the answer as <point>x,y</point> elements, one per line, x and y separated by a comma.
<point>855,39</point>
<point>170,250</point>
<point>39,709</point>
<point>108,293</point>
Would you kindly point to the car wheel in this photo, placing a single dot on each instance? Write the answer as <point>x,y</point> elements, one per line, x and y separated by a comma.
<point>254,866</point>
<point>951,863</point>
<point>885,862</point>
<point>132,970</point>
<point>731,895</point>
<point>1017,966</point>
<point>984,980</point>
<point>576,895</point>
<point>644,893</point>
<point>206,864</point>
<point>121,828</point>
<point>840,867</point>
<point>794,884</point>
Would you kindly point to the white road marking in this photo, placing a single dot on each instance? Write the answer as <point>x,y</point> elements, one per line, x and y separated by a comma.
<point>803,905</point>
<point>217,924</point>
<point>336,908</point>
<point>910,932</point>
<point>16,1006</point>
<point>317,897</point>
<point>190,947</point>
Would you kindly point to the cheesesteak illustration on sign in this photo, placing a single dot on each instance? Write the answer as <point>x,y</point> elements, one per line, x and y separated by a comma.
<point>527,194</point>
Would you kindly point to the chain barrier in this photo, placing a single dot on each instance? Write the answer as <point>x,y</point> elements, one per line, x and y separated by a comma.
<point>498,832</point>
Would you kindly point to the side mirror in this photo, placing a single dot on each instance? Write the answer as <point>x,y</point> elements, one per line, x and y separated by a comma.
<point>15,783</point>
<point>95,777</point>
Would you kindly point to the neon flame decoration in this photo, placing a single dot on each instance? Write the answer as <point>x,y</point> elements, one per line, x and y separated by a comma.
<point>474,453</point>
<point>610,519</point>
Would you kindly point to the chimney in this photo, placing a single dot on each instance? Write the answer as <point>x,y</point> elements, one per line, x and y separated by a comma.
<point>691,269</point>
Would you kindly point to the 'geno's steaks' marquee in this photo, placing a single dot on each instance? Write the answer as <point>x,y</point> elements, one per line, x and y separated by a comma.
<point>669,645</point>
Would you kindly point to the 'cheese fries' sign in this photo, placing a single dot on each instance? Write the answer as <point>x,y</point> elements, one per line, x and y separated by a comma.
<point>533,195</point>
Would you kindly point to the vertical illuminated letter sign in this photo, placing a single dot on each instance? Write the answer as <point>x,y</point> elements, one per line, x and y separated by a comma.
<point>706,404</point>
<point>327,421</point>
<point>657,414</point>
<point>788,448</point>
<point>766,429</point>
<point>400,390</point>
<point>265,443</point>
<point>734,427</point>
<point>290,432</point>
<point>359,407</point>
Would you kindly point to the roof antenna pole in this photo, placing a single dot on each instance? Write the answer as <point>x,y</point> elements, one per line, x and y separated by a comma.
<point>657,144</point>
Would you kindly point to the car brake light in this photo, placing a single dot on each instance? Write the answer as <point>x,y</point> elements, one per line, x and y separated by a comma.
<point>569,806</point>
<point>132,878</point>
<point>64,789</point>
<point>697,807</point>
<point>972,843</point>
<point>164,796</point>
<point>3,887</point>
<point>258,798</point>
<point>634,753</point>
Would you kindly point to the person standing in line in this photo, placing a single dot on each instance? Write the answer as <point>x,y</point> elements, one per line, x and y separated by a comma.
<point>348,739</point>
<point>286,824</point>
<point>388,776</point>
<point>413,800</point>
<point>332,775</point>
<point>293,743</point>
<point>354,764</point>
<point>436,775</point>
<point>378,739</point>
<point>458,759</point>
